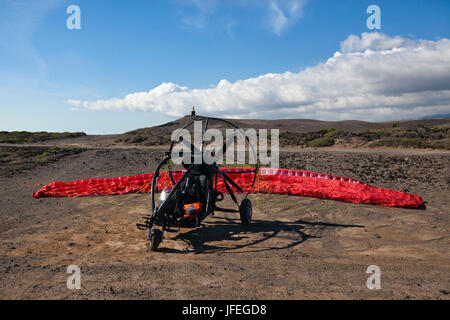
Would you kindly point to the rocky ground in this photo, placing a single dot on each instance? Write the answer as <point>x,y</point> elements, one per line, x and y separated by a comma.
<point>296,248</point>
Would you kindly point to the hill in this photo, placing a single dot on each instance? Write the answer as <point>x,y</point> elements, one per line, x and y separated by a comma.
<point>424,133</point>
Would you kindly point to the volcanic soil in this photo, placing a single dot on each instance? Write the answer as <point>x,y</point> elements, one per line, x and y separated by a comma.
<point>295,248</point>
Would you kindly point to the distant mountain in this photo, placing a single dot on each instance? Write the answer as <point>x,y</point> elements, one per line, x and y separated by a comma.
<point>160,135</point>
<point>438,116</point>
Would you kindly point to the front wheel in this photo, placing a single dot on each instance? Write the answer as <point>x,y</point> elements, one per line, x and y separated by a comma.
<point>155,239</point>
<point>245,210</point>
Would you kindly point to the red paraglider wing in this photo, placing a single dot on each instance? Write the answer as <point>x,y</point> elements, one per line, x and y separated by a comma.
<point>269,180</point>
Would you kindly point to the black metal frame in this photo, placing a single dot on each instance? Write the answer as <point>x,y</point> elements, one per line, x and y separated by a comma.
<point>161,215</point>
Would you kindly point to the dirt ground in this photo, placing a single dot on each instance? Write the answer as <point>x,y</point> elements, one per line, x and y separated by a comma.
<point>296,248</point>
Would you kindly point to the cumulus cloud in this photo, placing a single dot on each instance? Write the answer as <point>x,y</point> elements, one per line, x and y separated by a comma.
<point>373,77</point>
<point>376,41</point>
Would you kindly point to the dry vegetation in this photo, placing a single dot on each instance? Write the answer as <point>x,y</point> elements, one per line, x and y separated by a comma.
<point>419,137</point>
<point>18,159</point>
<point>434,134</point>
<point>295,248</point>
<point>19,137</point>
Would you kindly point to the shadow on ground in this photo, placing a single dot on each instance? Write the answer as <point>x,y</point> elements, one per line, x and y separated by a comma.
<point>231,231</point>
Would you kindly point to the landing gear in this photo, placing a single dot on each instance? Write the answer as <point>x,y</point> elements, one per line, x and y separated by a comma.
<point>156,237</point>
<point>245,210</point>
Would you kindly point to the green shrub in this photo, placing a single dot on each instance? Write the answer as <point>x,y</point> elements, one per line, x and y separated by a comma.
<point>321,142</point>
<point>43,157</point>
<point>71,148</point>
<point>382,131</point>
<point>439,129</point>
<point>25,136</point>
<point>10,140</point>
<point>328,130</point>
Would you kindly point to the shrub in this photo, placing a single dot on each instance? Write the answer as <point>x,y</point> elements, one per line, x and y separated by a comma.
<point>441,144</point>
<point>328,130</point>
<point>321,142</point>
<point>138,139</point>
<point>11,140</point>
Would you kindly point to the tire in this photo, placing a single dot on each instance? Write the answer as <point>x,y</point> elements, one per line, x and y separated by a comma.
<point>245,210</point>
<point>155,239</point>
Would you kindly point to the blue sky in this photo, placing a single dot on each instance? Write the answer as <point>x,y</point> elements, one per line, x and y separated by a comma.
<point>51,78</point>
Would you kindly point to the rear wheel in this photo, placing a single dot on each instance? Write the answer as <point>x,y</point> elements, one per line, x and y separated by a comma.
<point>245,210</point>
<point>155,239</point>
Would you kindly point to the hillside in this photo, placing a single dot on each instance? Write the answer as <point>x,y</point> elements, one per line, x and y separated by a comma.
<point>421,134</point>
<point>425,133</point>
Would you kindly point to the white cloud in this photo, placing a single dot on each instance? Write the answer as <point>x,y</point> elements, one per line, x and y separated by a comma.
<point>373,77</point>
<point>75,103</point>
<point>281,14</point>
<point>375,41</point>
<point>284,13</point>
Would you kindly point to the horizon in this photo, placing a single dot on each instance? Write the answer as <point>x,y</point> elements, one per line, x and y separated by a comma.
<point>141,64</point>
<point>433,117</point>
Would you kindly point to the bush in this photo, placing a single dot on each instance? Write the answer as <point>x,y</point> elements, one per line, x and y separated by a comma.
<point>138,139</point>
<point>11,140</point>
<point>382,131</point>
<point>71,148</point>
<point>25,136</point>
<point>399,142</point>
<point>321,142</point>
<point>441,144</point>
<point>328,130</point>
<point>439,129</point>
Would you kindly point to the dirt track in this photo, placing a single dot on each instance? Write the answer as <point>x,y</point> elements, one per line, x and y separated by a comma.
<point>295,248</point>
